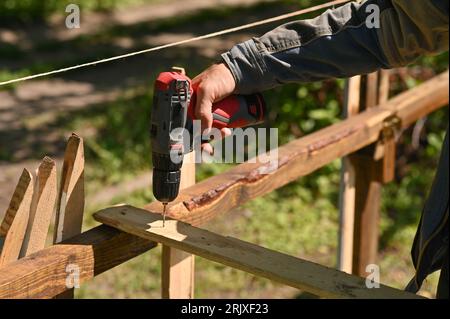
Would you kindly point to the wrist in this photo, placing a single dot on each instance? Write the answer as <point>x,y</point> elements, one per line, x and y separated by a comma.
<point>228,77</point>
<point>225,63</point>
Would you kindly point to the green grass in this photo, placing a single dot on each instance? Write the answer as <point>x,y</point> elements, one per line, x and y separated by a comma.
<point>294,220</point>
<point>6,75</point>
<point>286,224</point>
<point>300,219</point>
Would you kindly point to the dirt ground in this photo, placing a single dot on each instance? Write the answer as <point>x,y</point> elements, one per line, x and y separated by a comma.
<point>28,112</point>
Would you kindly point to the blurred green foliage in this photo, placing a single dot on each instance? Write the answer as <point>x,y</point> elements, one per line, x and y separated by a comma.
<point>120,145</point>
<point>300,218</point>
<point>39,10</point>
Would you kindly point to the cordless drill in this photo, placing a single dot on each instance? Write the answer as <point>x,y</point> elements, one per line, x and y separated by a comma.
<point>173,110</point>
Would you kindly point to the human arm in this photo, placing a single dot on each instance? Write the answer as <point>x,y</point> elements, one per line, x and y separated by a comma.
<point>337,43</point>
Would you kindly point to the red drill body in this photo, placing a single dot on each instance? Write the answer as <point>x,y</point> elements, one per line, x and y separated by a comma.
<point>232,112</point>
<point>173,107</point>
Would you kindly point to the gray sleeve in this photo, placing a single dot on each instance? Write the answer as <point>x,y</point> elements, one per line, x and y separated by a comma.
<point>339,43</point>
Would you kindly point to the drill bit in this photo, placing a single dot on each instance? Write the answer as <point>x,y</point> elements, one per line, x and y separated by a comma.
<point>164,214</point>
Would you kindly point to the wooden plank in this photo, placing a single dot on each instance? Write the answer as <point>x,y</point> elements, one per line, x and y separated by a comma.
<point>178,267</point>
<point>388,142</point>
<point>437,89</point>
<point>352,96</point>
<point>367,193</point>
<point>383,90</point>
<point>387,162</point>
<point>371,90</point>
<point>42,206</point>
<point>70,204</point>
<point>367,206</point>
<point>14,223</point>
<point>347,187</point>
<point>288,270</point>
<point>201,202</point>
<point>177,277</point>
<point>43,274</point>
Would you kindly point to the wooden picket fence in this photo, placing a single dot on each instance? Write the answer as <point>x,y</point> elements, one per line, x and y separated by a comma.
<point>365,140</point>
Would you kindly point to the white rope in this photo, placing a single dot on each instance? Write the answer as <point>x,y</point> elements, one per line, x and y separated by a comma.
<point>202,37</point>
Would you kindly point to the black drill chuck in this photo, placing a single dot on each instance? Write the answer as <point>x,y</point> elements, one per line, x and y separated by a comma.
<point>166,185</point>
<point>166,177</point>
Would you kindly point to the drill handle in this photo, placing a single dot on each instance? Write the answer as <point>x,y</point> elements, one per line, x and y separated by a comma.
<point>235,111</point>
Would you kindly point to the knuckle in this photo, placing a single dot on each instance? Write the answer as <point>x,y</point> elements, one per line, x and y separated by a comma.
<point>204,88</point>
<point>198,111</point>
<point>204,114</point>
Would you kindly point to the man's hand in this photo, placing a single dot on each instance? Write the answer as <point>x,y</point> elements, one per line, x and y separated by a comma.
<point>212,85</point>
